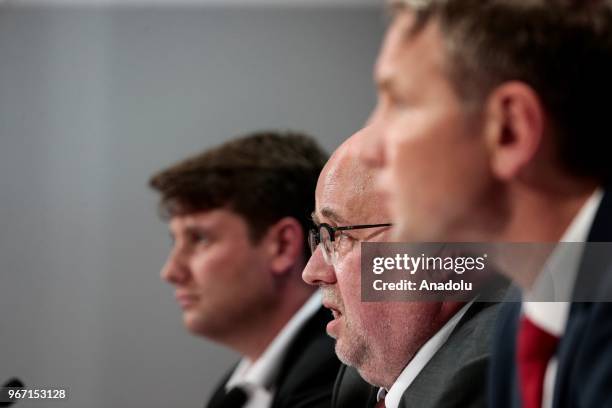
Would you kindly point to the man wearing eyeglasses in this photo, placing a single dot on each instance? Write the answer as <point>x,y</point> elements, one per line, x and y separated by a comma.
<point>416,354</point>
<point>238,217</point>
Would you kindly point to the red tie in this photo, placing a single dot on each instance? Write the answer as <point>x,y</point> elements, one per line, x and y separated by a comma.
<point>380,404</point>
<point>535,349</point>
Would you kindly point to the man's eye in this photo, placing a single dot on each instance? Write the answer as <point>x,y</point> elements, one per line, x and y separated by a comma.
<point>345,240</point>
<point>396,103</point>
<point>198,238</point>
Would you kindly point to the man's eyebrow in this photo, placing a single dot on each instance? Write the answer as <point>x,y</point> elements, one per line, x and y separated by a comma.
<point>315,218</point>
<point>194,229</point>
<point>333,216</point>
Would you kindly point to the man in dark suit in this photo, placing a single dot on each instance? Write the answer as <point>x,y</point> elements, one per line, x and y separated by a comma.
<point>494,123</point>
<point>455,377</point>
<point>578,371</point>
<point>238,214</point>
<point>415,354</point>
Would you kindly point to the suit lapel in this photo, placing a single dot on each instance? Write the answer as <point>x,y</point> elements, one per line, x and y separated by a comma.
<point>601,230</point>
<point>304,337</point>
<point>463,357</point>
<point>219,393</point>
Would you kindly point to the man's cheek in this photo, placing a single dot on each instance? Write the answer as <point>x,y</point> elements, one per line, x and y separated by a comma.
<point>383,178</point>
<point>364,319</point>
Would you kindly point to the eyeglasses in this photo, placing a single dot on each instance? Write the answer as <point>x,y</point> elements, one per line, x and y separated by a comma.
<point>325,234</point>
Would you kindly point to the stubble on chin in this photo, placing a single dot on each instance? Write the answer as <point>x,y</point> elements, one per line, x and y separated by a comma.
<point>377,363</point>
<point>353,347</point>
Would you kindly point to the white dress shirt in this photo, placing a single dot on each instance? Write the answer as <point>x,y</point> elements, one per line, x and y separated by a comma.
<point>420,360</point>
<point>556,282</point>
<point>257,378</point>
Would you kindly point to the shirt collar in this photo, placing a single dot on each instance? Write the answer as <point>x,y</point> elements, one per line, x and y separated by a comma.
<point>381,394</point>
<point>262,372</point>
<point>557,279</point>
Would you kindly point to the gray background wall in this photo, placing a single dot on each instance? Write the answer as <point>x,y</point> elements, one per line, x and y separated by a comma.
<point>93,100</point>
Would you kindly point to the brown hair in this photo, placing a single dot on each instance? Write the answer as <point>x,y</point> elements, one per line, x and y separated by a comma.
<point>561,49</point>
<point>263,177</point>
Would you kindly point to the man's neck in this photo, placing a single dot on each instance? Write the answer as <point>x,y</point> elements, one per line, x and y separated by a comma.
<point>252,341</point>
<point>537,216</point>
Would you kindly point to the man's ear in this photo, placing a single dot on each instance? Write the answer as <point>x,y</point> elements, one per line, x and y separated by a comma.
<point>285,242</point>
<point>514,126</point>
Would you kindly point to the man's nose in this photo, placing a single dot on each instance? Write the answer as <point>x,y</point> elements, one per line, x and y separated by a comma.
<point>370,143</point>
<point>317,271</point>
<point>175,271</point>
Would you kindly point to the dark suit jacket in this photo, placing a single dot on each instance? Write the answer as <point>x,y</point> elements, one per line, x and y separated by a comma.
<point>307,373</point>
<point>453,378</point>
<point>352,391</point>
<point>584,372</point>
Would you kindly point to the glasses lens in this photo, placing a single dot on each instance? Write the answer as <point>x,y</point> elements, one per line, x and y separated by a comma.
<point>313,239</point>
<point>327,244</point>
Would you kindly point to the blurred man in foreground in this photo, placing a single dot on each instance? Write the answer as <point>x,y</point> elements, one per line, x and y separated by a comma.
<point>238,216</point>
<point>495,128</point>
<point>417,354</point>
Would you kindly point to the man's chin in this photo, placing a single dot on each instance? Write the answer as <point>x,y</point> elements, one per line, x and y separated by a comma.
<point>342,356</point>
<point>347,353</point>
<point>194,323</point>
<point>363,365</point>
